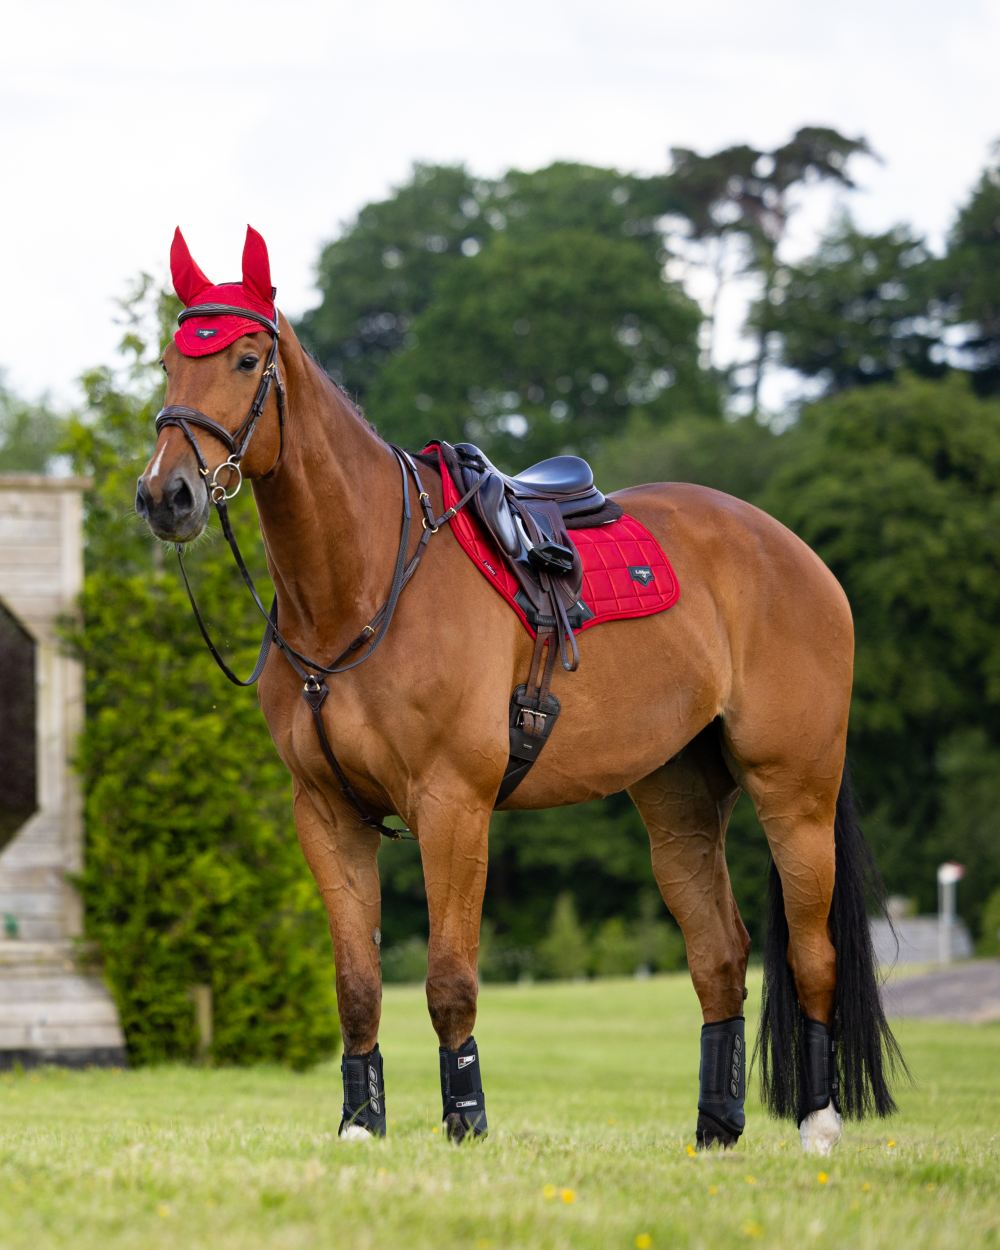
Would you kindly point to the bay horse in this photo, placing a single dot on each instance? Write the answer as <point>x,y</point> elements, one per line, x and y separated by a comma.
<point>745,684</point>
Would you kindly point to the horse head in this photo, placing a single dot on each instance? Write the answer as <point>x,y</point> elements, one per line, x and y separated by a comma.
<point>224,407</point>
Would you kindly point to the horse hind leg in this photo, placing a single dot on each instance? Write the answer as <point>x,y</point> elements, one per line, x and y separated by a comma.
<point>686,805</point>
<point>820,976</point>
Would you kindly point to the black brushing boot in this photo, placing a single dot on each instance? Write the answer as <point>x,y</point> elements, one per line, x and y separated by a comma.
<point>364,1093</point>
<point>462,1097</point>
<point>820,1086</point>
<point>722,1080</point>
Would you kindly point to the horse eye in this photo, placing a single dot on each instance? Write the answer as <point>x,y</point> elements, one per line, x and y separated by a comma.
<point>163,365</point>
<point>249,363</point>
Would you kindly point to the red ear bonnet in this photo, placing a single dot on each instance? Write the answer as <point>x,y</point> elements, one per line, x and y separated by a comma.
<point>189,281</point>
<point>256,267</point>
<point>201,336</point>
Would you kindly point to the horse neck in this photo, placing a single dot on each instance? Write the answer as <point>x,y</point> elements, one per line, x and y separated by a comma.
<point>330,511</point>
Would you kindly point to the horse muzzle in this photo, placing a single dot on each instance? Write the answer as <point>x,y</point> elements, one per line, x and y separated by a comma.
<point>176,513</point>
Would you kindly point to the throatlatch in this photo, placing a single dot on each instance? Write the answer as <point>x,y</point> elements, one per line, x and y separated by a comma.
<point>820,1085</point>
<point>364,1092</point>
<point>462,1098</point>
<point>723,1083</point>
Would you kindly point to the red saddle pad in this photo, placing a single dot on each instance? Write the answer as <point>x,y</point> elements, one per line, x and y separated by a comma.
<point>625,572</point>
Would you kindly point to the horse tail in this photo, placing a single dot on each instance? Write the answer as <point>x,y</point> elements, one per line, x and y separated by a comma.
<point>868,1056</point>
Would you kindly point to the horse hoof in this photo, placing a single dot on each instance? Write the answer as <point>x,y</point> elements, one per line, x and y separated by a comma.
<point>354,1132</point>
<point>456,1129</point>
<point>711,1133</point>
<point>820,1131</point>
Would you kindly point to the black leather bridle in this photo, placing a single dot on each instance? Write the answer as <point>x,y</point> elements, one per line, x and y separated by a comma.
<point>314,689</point>
<point>238,441</point>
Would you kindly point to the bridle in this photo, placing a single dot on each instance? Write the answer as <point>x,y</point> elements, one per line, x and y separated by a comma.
<point>237,442</point>
<point>314,689</point>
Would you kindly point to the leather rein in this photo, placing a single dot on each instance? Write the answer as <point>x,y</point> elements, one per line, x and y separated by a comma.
<point>314,689</point>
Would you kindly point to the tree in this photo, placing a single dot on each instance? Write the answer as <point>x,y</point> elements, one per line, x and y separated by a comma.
<point>737,457</point>
<point>385,269</point>
<point>860,310</point>
<point>711,203</point>
<point>971,279</point>
<point>540,346</point>
<point>381,273</point>
<point>895,487</point>
<point>747,193</point>
<point>192,871</point>
<point>564,953</point>
<point>30,434</point>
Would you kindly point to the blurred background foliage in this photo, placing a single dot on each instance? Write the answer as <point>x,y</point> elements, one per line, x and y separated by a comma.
<point>534,313</point>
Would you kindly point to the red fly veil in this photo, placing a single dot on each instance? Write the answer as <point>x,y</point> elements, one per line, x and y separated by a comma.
<point>201,336</point>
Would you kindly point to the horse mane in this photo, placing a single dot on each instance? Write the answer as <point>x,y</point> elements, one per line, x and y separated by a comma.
<point>341,390</point>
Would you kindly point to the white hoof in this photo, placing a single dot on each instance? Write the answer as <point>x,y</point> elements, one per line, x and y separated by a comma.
<point>354,1132</point>
<point>821,1130</point>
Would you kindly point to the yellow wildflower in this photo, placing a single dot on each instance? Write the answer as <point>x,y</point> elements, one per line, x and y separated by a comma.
<point>549,1191</point>
<point>822,1177</point>
<point>643,1241</point>
<point>753,1229</point>
<point>691,1152</point>
<point>567,1195</point>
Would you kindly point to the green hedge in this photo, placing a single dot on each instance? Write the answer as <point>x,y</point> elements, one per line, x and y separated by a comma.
<point>193,873</point>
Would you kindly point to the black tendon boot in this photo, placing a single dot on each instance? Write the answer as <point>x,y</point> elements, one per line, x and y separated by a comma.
<point>364,1093</point>
<point>462,1097</point>
<point>819,1070</point>
<point>723,1084</point>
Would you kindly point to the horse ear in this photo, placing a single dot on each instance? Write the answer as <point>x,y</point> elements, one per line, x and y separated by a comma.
<point>189,281</point>
<point>256,267</point>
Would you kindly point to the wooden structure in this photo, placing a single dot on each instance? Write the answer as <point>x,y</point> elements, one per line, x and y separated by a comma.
<point>50,1012</point>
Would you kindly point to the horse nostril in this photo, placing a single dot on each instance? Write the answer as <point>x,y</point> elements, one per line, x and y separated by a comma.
<point>142,498</point>
<point>178,496</point>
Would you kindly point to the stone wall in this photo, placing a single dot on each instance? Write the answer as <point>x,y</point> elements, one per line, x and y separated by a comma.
<point>46,1008</point>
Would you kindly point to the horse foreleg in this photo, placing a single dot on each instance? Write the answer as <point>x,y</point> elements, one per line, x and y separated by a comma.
<point>342,855</point>
<point>685,806</point>
<point>453,849</point>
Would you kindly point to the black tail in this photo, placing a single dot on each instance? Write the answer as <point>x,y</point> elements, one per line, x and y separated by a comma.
<point>867,1053</point>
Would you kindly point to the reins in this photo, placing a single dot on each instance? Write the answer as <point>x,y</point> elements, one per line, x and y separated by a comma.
<point>314,690</point>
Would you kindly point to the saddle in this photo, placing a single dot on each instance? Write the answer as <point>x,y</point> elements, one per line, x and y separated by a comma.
<point>529,516</point>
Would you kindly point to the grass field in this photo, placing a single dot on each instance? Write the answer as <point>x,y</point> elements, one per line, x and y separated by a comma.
<point>591,1092</point>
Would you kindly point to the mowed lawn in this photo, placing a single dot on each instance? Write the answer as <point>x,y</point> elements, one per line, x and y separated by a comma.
<point>591,1091</point>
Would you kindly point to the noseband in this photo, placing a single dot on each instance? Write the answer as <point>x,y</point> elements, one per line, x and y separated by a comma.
<point>237,442</point>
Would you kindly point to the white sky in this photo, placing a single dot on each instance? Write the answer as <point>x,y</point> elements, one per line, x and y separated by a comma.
<point>120,120</point>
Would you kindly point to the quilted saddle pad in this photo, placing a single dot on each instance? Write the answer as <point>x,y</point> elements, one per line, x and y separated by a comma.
<point>625,571</point>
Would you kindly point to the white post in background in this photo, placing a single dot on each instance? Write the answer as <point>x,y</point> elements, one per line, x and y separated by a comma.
<point>948,874</point>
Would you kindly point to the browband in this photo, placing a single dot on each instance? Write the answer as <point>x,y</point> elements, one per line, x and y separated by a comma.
<point>227,310</point>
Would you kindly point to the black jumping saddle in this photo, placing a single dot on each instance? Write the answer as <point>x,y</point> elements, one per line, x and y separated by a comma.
<point>528,515</point>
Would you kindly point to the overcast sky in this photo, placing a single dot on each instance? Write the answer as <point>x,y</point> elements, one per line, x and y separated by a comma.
<point>122,120</point>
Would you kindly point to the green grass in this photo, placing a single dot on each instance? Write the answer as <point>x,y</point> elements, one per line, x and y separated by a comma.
<point>591,1092</point>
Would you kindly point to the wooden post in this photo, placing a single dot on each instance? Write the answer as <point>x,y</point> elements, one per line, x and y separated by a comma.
<point>201,996</point>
